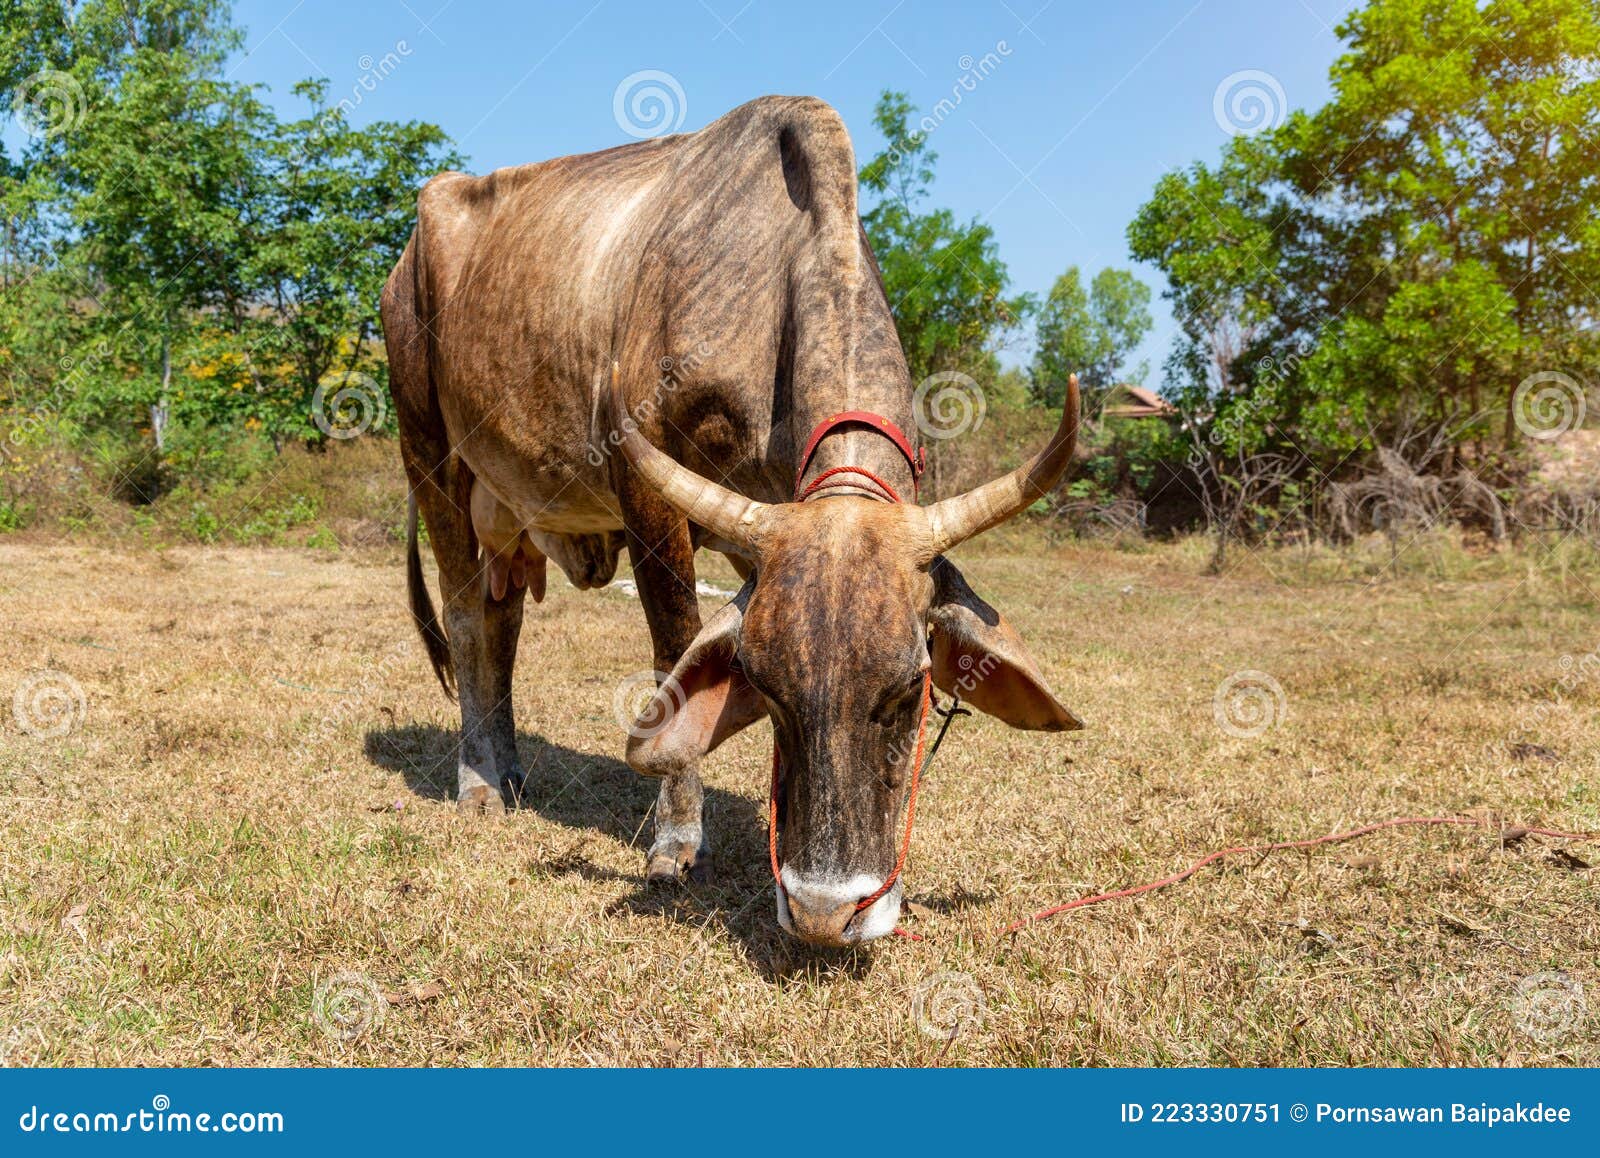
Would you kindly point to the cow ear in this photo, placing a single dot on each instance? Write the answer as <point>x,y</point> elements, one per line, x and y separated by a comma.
<point>978,656</point>
<point>704,701</point>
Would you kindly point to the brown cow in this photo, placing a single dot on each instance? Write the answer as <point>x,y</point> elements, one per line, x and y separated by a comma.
<point>726,276</point>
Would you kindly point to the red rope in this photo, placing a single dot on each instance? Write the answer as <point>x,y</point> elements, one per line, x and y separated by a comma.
<point>817,483</point>
<point>911,798</point>
<point>1276,846</point>
<point>918,460</point>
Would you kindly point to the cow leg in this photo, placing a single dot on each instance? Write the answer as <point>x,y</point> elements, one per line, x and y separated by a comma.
<point>680,847</point>
<point>482,633</point>
<point>662,555</point>
<point>478,643</point>
<point>502,624</point>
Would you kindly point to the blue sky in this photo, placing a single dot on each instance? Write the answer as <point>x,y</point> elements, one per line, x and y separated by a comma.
<point>1083,107</point>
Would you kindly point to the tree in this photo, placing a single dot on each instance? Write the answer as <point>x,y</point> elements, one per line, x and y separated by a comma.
<point>1009,388</point>
<point>139,164</point>
<point>1407,253</point>
<point>945,281</point>
<point>1219,235</point>
<point>1090,334</point>
<point>338,210</point>
<point>166,190</point>
<point>1461,132</point>
<point>183,252</point>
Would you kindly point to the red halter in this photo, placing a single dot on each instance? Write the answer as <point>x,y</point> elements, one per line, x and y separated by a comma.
<point>917,459</point>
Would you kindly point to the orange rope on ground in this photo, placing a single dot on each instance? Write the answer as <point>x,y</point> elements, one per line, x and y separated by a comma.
<point>917,769</point>
<point>1277,846</point>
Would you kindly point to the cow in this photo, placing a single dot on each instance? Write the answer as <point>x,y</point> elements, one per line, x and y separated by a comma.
<point>660,347</point>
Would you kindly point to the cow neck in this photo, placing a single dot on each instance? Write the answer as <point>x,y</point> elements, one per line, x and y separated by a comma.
<point>853,475</point>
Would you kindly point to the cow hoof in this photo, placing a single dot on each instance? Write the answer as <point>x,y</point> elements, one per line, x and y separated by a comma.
<point>480,801</point>
<point>679,862</point>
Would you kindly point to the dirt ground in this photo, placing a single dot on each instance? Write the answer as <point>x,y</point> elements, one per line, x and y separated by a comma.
<point>226,834</point>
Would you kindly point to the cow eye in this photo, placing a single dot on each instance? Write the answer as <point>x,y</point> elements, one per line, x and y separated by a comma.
<point>894,700</point>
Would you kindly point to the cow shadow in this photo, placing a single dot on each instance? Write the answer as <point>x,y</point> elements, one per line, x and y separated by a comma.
<point>601,798</point>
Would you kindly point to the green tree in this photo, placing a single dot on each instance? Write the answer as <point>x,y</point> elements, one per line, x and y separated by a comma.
<point>1220,235</point>
<point>1463,132</point>
<point>138,169</point>
<point>945,281</point>
<point>1091,334</point>
<point>1009,388</point>
<point>1409,252</point>
<point>177,250</point>
<point>339,206</point>
<point>166,189</point>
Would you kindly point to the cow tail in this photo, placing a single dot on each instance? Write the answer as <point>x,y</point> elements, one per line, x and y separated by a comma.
<point>422,611</point>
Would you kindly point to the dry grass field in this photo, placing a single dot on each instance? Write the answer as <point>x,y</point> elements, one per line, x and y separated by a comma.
<point>241,850</point>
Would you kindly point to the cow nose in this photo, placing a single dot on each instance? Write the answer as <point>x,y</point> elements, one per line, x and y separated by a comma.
<point>820,925</point>
<point>825,909</point>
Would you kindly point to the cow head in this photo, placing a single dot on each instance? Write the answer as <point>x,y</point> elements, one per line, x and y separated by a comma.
<point>851,605</point>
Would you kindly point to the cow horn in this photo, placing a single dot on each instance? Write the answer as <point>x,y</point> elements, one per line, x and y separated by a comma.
<point>957,519</point>
<point>698,499</point>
